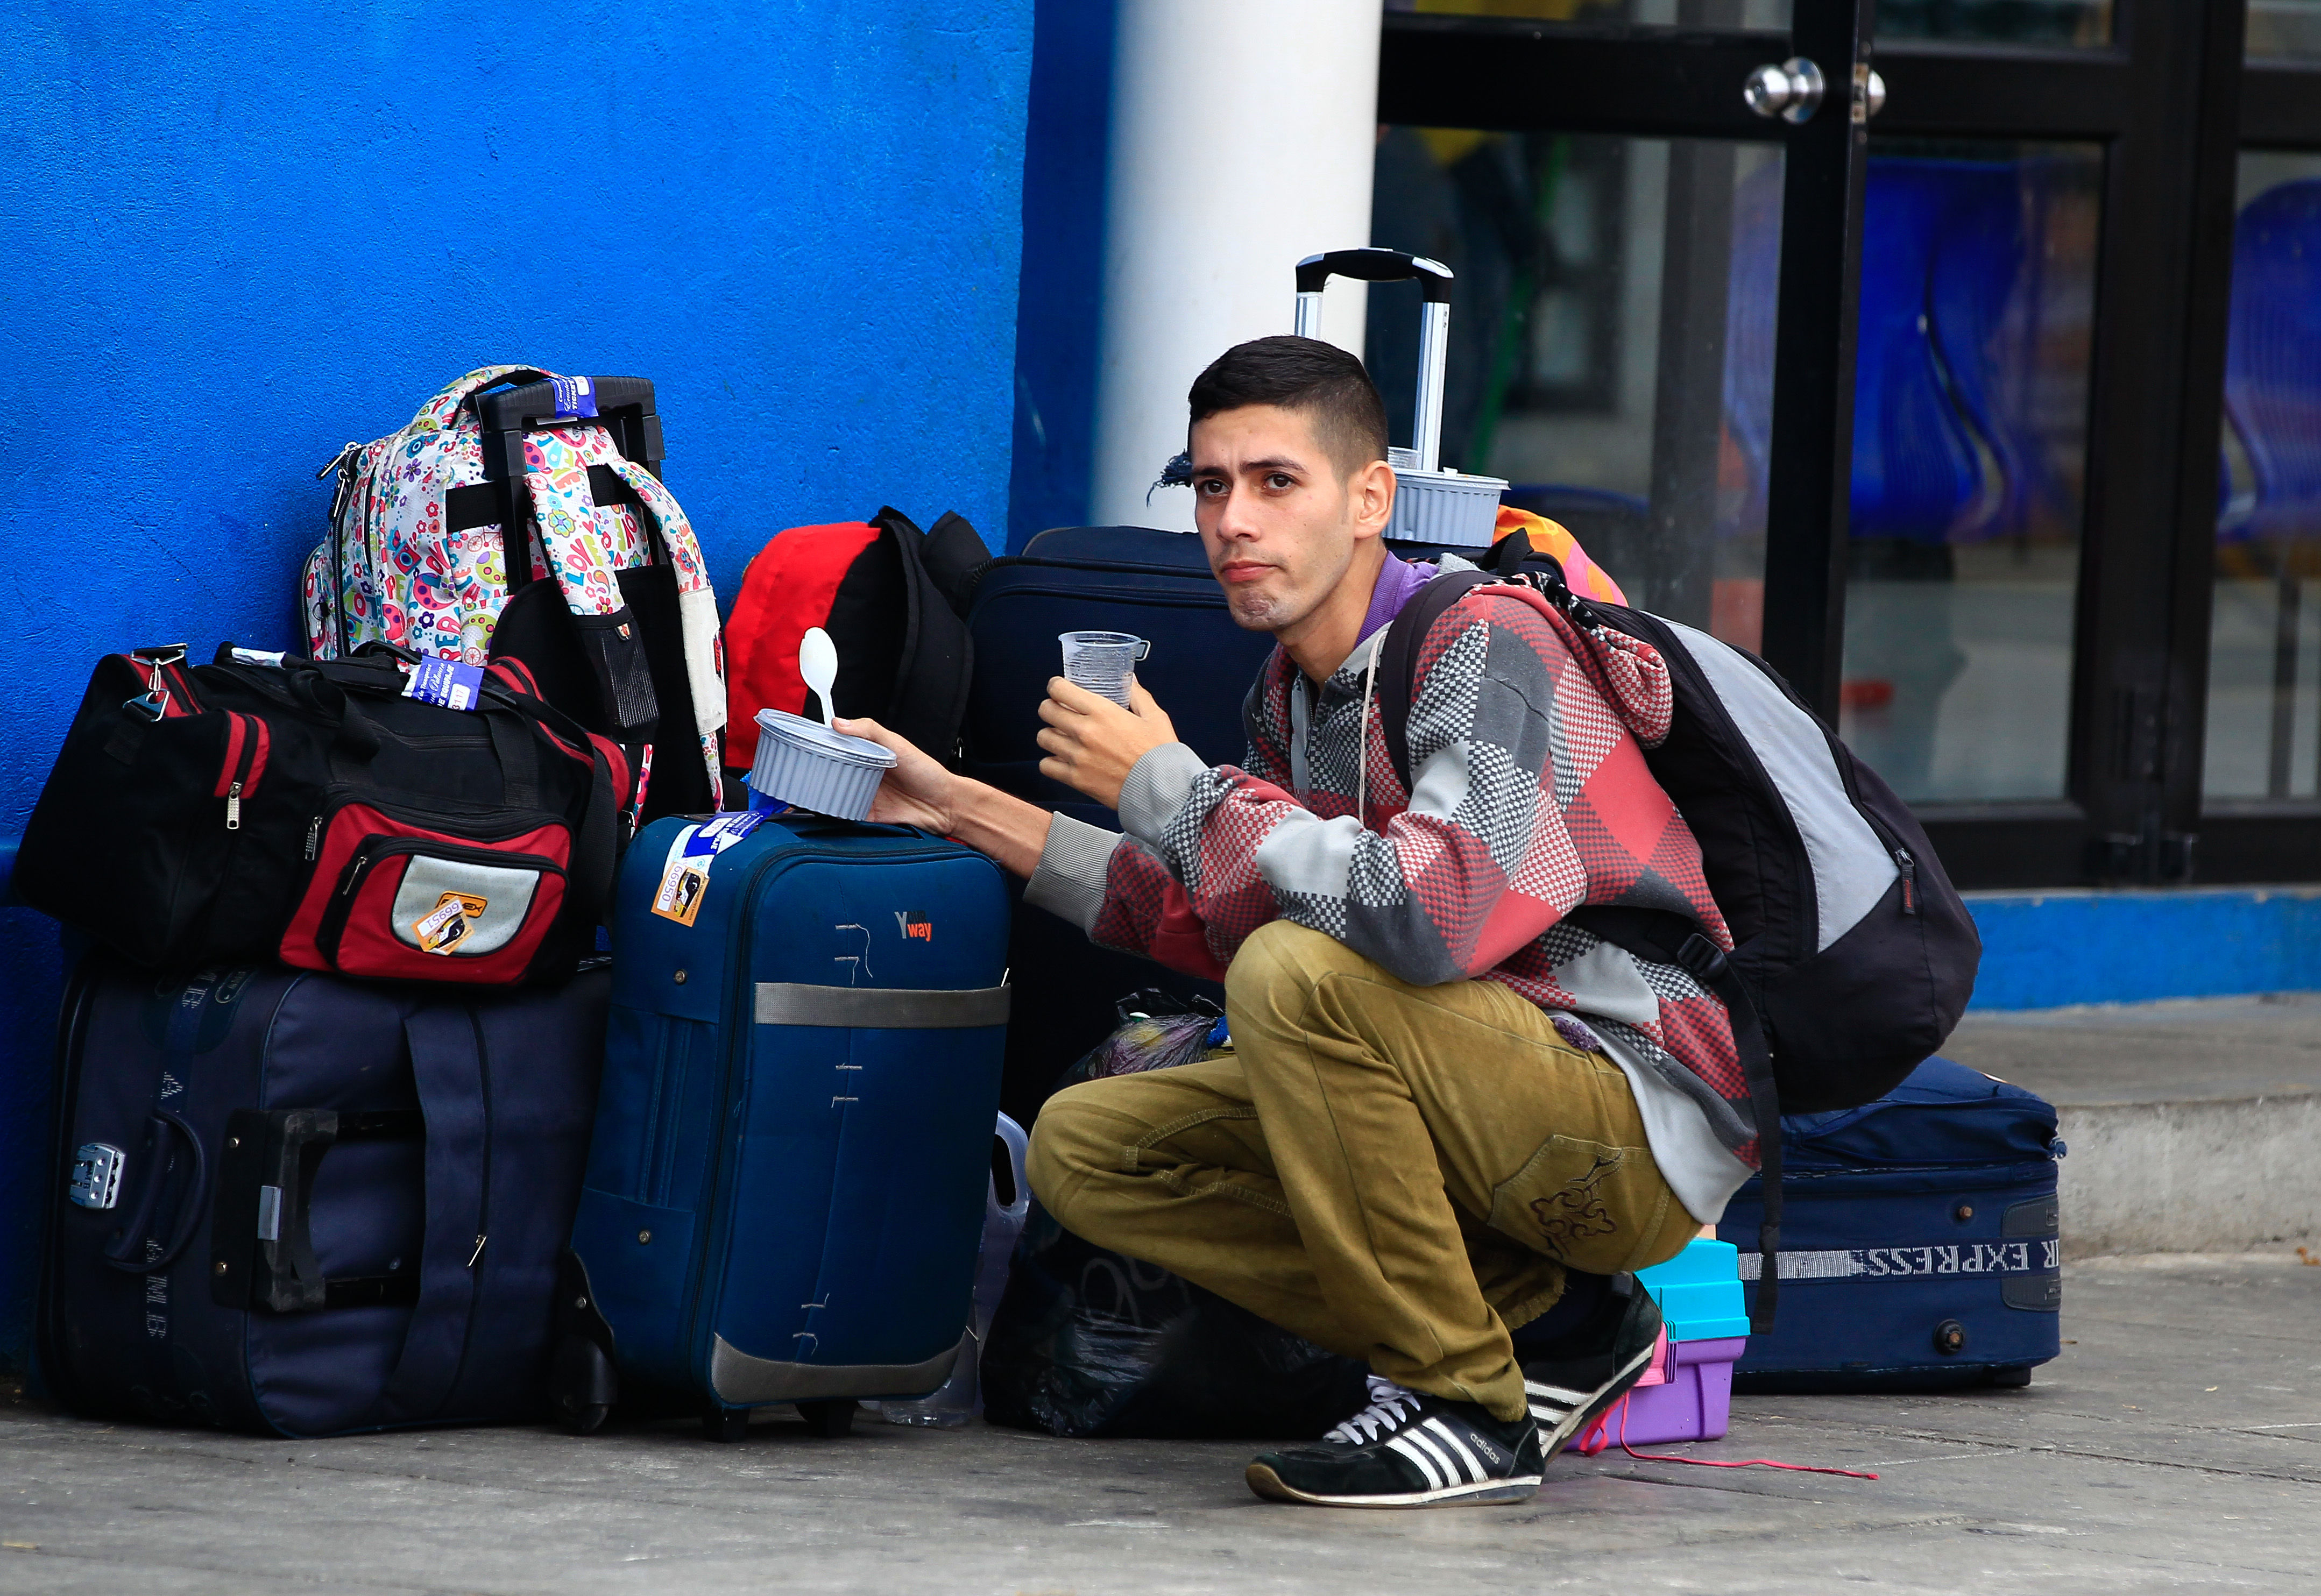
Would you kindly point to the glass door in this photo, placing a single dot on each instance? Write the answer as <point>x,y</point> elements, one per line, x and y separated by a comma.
<point>1654,211</point>
<point>1914,385</point>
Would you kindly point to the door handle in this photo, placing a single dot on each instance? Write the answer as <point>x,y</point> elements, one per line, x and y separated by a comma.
<point>1792,90</point>
<point>1868,92</point>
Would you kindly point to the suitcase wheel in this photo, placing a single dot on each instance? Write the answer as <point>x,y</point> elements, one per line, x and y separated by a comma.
<point>725,1424</point>
<point>582,1386</point>
<point>2014,1374</point>
<point>829,1419</point>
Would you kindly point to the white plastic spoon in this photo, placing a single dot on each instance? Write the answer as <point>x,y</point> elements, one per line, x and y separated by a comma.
<point>818,664</point>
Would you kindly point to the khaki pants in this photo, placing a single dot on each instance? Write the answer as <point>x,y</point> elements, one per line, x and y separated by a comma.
<point>1396,1173</point>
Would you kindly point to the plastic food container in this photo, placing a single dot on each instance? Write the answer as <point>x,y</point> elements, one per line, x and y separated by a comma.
<point>806,765</point>
<point>1689,1396</point>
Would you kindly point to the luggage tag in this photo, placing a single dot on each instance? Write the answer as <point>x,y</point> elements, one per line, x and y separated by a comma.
<point>575,397</point>
<point>684,876</point>
<point>444,926</point>
<point>453,683</point>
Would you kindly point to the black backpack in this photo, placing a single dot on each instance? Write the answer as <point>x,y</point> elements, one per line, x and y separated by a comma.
<point>1854,956</point>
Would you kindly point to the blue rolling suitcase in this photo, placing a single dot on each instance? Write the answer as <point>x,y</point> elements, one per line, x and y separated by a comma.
<point>1920,1248</point>
<point>785,1195</point>
<point>296,1205</point>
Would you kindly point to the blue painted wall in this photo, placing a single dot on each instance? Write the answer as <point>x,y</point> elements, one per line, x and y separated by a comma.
<point>235,236</point>
<point>2046,950</point>
<point>1065,154</point>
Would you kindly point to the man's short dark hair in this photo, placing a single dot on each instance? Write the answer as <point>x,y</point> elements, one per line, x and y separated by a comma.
<point>1320,380</point>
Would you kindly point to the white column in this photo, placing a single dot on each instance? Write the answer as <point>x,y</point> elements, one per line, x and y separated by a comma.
<point>1242,133</point>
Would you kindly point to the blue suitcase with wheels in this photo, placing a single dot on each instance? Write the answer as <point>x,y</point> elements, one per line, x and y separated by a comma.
<point>784,1193</point>
<point>1920,1247</point>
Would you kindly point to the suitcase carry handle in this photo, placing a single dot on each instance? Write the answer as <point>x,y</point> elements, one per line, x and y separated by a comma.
<point>1393,265</point>
<point>534,404</point>
<point>261,1238</point>
<point>131,1249</point>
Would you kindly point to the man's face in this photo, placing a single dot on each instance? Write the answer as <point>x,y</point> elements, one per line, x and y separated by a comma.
<point>1277,521</point>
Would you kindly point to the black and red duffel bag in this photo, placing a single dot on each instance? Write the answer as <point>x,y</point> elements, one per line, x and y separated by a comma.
<point>263,807</point>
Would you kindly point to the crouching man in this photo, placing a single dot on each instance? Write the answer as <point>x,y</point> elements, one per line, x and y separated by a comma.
<point>1452,1124</point>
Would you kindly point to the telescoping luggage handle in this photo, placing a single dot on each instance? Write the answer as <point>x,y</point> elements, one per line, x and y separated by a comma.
<point>622,405</point>
<point>1393,265</point>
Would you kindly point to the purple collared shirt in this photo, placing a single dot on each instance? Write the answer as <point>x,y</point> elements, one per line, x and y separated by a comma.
<point>1397,579</point>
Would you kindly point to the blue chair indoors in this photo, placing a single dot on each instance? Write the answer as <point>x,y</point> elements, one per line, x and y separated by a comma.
<point>1936,460</point>
<point>2272,366</point>
<point>1749,313</point>
<point>1942,451</point>
<point>1946,449</point>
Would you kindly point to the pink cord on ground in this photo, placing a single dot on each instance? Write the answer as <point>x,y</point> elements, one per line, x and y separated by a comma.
<point>1593,1440</point>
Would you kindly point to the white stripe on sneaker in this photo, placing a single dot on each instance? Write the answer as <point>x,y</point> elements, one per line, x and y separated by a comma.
<point>1451,1469</point>
<point>1435,1481</point>
<point>1572,1397</point>
<point>1475,1469</point>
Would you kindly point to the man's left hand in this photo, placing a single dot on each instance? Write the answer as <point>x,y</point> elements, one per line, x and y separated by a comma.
<point>1092,743</point>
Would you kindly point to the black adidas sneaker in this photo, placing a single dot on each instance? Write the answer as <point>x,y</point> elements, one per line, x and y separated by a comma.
<point>1408,1449</point>
<point>1580,1373</point>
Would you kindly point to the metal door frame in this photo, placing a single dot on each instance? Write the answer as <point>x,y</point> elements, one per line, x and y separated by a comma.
<point>2172,102</point>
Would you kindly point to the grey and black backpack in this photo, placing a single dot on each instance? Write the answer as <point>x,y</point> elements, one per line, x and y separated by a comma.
<point>1854,956</point>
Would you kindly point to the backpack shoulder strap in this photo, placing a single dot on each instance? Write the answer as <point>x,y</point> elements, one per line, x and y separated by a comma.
<point>1656,935</point>
<point>1399,658</point>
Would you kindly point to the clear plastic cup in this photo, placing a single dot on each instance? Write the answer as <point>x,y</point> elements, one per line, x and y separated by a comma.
<point>1103,661</point>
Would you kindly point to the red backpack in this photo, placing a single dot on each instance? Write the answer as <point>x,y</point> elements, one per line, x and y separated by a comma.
<point>892,599</point>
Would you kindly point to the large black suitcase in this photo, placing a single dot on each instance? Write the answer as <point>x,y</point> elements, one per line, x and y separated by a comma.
<point>1920,1244</point>
<point>1157,586</point>
<point>290,1204</point>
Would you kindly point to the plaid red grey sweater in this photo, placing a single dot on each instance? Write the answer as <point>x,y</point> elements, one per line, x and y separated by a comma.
<point>1531,798</point>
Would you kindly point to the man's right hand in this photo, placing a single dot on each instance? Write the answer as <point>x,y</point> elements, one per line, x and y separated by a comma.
<point>918,792</point>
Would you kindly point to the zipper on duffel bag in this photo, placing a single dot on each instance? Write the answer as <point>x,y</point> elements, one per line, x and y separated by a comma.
<point>247,743</point>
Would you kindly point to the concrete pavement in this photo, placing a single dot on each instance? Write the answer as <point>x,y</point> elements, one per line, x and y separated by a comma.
<point>2192,1123</point>
<point>2175,1446</point>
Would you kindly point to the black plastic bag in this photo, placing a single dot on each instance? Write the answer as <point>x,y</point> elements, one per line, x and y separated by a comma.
<point>1090,1343</point>
<point>1158,1030</point>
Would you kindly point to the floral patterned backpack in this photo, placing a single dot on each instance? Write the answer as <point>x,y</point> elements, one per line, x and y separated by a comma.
<point>611,608</point>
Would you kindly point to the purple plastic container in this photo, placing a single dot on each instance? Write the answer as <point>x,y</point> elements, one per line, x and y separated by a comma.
<point>1694,1404</point>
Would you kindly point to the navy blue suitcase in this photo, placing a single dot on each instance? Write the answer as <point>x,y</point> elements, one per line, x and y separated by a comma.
<point>785,1195</point>
<point>1156,585</point>
<point>1920,1246</point>
<point>293,1204</point>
